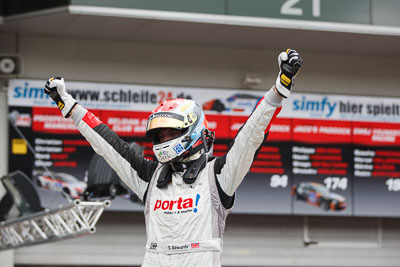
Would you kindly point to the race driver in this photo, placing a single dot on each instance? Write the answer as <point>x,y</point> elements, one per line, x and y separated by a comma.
<point>187,192</point>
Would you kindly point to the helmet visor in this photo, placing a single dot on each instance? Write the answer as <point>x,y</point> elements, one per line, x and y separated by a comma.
<point>165,120</point>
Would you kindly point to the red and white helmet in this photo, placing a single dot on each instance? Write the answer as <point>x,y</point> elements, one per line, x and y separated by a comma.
<point>182,114</point>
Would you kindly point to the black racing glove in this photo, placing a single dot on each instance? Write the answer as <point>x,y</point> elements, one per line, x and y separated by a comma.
<point>289,65</point>
<point>55,88</point>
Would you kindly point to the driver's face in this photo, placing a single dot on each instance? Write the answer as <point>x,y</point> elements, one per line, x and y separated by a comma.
<point>168,134</point>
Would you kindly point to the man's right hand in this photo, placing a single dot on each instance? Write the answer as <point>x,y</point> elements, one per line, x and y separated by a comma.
<point>55,88</point>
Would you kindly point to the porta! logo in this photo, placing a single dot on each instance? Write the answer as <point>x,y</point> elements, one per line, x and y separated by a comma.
<point>180,204</point>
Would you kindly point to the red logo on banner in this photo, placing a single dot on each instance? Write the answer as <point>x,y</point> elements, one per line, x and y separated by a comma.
<point>280,130</point>
<point>375,133</point>
<point>50,120</point>
<point>126,123</point>
<point>321,131</point>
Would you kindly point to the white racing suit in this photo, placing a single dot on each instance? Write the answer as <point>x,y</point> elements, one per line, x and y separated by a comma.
<point>184,222</point>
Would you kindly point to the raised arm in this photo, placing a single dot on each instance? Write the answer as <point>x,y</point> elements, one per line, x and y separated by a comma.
<point>231,169</point>
<point>133,169</point>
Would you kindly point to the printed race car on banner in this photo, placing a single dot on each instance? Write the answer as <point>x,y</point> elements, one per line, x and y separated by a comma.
<point>61,182</point>
<point>318,195</point>
<point>235,103</point>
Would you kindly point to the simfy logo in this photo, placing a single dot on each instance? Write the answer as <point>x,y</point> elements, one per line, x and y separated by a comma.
<point>178,205</point>
<point>320,107</point>
<point>27,91</point>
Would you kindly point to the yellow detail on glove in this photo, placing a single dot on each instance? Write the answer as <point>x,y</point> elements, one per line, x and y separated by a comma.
<point>60,105</point>
<point>285,80</point>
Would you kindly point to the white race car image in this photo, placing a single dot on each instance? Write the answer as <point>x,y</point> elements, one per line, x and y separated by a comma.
<point>61,182</point>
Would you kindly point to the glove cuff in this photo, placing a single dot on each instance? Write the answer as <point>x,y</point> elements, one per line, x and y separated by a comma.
<point>69,104</point>
<point>282,90</point>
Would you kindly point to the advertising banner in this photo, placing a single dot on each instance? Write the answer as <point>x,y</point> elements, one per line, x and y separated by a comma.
<point>331,155</point>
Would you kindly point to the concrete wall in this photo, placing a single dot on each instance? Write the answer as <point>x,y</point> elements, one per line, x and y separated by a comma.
<point>6,257</point>
<point>7,45</point>
<point>129,62</point>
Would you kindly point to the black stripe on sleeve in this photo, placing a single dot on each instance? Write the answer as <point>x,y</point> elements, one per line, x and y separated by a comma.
<point>144,167</point>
